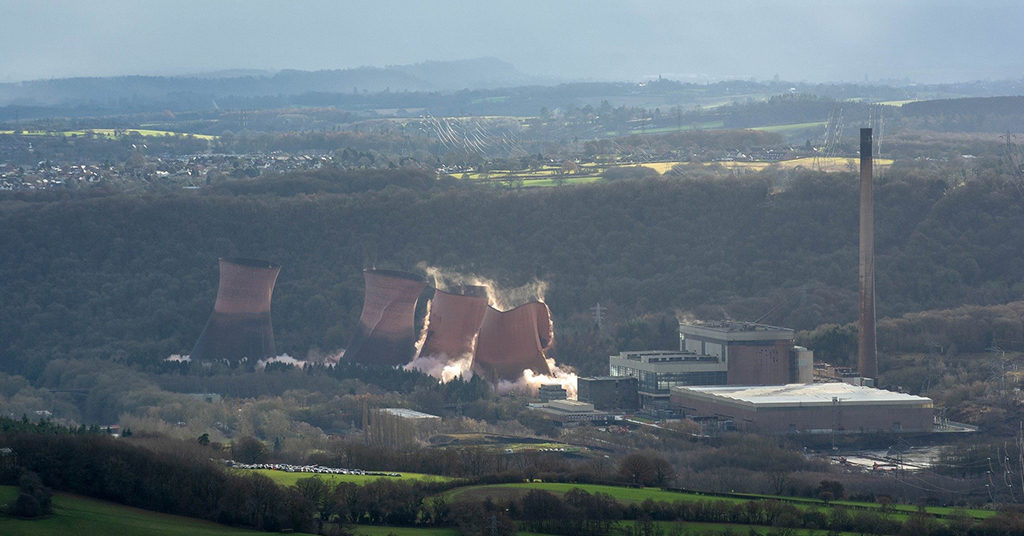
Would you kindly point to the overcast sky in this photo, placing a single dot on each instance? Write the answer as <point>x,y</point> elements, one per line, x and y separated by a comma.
<point>918,40</point>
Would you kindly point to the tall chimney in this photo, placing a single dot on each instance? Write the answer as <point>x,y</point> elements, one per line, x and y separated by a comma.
<point>867,351</point>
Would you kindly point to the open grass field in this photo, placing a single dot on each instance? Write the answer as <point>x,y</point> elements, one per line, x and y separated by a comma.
<point>694,528</point>
<point>110,133</point>
<point>679,128</point>
<point>373,530</point>
<point>790,127</point>
<point>623,494</point>
<point>80,516</point>
<point>289,479</point>
<point>636,495</point>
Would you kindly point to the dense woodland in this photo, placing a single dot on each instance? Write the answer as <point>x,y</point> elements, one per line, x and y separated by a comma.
<point>133,278</point>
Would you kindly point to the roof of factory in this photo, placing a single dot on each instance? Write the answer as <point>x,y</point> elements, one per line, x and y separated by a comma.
<point>733,330</point>
<point>408,413</point>
<point>802,395</point>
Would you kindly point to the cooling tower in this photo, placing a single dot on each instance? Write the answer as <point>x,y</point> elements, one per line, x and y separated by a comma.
<point>240,324</point>
<point>454,321</point>
<point>386,332</point>
<point>513,341</point>
<point>867,353</point>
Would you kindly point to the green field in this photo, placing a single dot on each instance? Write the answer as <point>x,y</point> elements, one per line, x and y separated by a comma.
<point>289,479</point>
<point>110,133</point>
<point>678,128</point>
<point>631,495</point>
<point>82,516</point>
<point>789,127</point>
<point>636,495</point>
<point>373,530</point>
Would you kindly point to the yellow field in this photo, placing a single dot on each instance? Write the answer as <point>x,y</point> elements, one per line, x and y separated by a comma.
<point>110,133</point>
<point>832,164</point>
<point>661,167</point>
<point>897,102</point>
<point>791,126</point>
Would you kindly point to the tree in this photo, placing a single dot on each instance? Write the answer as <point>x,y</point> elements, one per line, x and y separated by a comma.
<point>204,439</point>
<point>34,499</point>
<point>248,450</point>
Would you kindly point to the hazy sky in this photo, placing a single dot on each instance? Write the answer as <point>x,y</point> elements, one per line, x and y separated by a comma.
<point>920,40</point>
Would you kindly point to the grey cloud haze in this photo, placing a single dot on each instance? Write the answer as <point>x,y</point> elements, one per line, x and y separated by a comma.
<point>926,41</point>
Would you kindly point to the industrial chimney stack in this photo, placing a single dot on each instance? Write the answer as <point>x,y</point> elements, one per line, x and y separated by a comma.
<point>867,352</point>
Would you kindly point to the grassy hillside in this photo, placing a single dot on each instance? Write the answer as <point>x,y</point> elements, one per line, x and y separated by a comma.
<point>82,516</point>
<point>638,495</point>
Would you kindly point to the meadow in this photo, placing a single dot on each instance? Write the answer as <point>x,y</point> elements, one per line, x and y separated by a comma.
<point>82,516</point>
<point>638,495</point>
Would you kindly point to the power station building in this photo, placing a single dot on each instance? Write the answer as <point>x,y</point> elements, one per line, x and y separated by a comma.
<point>751,353</point>
<point>657,371</point>
<point>716,353</point>
<point>609,393</point>
<point>807,408</point>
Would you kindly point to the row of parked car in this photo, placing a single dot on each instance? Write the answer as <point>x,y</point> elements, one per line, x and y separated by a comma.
<point>319,469</point>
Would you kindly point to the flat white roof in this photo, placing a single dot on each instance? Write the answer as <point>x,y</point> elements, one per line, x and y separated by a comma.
<point>802,395</point>
<point>727,330</point>
<point>408,413</point>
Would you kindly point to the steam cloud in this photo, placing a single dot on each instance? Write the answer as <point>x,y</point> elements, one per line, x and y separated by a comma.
<point>531,382</point>
<point>442,367</point>
<point>283,358</point>
<point>497,296</point>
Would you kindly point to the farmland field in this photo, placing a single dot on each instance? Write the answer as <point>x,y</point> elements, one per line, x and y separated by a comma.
<point>110,133</point>
<point>82,516</point>
<point>789,127</point>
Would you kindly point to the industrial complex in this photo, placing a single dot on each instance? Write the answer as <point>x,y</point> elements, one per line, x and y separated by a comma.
<point>733,375</point>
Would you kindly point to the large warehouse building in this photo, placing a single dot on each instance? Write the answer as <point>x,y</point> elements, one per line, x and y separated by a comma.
<point>807,408</point>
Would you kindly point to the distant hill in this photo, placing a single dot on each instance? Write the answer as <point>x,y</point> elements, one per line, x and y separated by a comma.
<point>478,73</point>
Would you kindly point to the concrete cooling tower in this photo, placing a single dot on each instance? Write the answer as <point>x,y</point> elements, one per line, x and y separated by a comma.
<point>386,331</point>
<point>513,341</point>
<point>240,324</point>
<point>454,321</point>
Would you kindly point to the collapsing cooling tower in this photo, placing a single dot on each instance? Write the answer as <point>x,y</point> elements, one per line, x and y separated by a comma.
<point>240,324</point>
<point>513,341</point>
<point>386,334</point>
<point>454,320</point>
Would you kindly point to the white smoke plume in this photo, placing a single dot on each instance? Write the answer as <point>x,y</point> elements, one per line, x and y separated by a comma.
<point>498,297</point>
<point>178,358</point>
<point>685,316</point>
<point>423,332</point>
<point>283,358</point>
<point>530,382</point>
<point>442,367</point>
